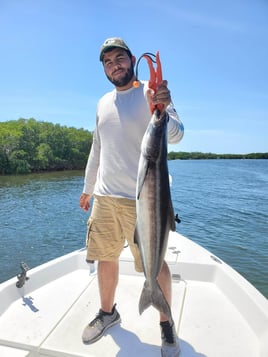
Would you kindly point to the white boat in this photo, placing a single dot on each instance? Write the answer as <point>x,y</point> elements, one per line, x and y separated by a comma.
<point>217,312</point>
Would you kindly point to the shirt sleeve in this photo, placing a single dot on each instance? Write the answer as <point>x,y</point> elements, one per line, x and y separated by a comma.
<point>92,164</point>
<point>175,126</point>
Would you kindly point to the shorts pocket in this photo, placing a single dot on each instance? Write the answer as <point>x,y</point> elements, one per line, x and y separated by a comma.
<point>89,229</point>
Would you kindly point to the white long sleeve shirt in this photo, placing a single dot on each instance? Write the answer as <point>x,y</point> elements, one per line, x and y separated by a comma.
<point>121,121</point>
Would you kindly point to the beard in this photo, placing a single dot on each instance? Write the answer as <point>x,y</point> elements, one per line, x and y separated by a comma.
<point>124,80</point>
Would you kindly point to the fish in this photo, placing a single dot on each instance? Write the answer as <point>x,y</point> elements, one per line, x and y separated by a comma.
<point>154,209</point>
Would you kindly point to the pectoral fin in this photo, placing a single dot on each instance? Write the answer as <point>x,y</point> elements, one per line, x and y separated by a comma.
<point>171,217</point>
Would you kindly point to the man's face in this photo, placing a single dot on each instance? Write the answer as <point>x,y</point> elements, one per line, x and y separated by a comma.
<point>119,67</point>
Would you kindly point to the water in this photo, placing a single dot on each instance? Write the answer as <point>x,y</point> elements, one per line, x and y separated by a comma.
<point>40,219</point>
<point>223,205</point>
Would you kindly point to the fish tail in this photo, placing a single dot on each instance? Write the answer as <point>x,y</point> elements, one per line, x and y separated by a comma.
<point>155,298</point>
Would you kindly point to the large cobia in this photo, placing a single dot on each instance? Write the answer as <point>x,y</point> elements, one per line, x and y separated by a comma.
<point>155,215</point>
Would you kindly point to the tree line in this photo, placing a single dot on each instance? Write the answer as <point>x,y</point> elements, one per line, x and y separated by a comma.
<point>206,156</point>
<point>27,145</point>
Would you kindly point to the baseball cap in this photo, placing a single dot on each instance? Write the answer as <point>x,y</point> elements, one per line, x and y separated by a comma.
<point>112,42</point>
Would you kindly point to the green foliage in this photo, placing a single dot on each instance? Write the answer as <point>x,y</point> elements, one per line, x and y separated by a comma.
<point>31,146</point>
<point>205,156</point>
<point>27,145</point>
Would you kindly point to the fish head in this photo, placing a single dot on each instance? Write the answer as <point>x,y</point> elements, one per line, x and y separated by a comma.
<point>155,136</point>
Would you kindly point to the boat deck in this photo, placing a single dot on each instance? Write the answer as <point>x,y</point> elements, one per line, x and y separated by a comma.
<point>213,307</point>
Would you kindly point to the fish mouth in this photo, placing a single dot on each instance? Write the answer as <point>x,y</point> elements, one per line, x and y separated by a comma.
<point>159,116</point>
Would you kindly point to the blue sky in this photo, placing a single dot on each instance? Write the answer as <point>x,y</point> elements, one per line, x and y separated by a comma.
<point>214,55</point>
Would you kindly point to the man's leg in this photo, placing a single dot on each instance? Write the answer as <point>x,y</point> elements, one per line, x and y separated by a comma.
<point>104,228</point>
<point>108,315</point>
<point>170,340</point>
<point>108,280</point>
<point>164,280</point>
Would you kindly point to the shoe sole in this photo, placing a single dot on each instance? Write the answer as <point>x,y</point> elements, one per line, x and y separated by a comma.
<point>178,351</point>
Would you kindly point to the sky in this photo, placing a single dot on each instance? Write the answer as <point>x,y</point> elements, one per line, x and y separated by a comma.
<point>214,55</point>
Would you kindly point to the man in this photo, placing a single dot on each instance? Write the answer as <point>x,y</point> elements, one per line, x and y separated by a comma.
<point>111,173</point>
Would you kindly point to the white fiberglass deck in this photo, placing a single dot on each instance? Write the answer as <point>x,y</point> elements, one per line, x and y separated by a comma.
<point>217,313</point>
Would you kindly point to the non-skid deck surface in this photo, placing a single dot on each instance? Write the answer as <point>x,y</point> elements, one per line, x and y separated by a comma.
<point>136,335</point>
<point>200,311</point>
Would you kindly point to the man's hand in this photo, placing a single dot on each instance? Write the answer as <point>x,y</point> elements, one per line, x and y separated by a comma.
<point>85,201</point>
<point>162,95</point>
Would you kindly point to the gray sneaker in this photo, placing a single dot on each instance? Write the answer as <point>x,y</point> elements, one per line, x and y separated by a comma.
<point>170,341</point>
<point>96,328</point>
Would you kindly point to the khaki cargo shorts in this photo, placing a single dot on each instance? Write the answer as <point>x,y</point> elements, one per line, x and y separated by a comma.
<point>110,225</point>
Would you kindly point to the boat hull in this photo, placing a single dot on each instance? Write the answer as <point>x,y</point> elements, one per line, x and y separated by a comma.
<point>216,311</point>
